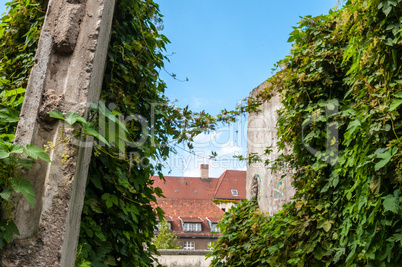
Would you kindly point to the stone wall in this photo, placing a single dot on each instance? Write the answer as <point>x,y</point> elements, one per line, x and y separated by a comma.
<point>183,258</point>
<point>274,189</point>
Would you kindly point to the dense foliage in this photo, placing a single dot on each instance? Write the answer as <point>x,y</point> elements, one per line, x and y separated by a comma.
<point>118,219</point>
<point>343,74</point>
<point>19,32</point>
<point>165,239</point>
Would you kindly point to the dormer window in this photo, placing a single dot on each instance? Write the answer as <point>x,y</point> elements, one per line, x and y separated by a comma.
<point>189,224</point>
<point>213,224</point>
<point>158,227</point>
<point>192,227</point>
<point>235,192</point>
<point>214,227</point>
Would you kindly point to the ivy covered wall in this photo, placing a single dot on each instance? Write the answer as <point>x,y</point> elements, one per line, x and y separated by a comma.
<point>343,75</point>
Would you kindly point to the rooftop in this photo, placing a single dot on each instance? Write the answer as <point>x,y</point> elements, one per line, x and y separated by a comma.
<point>231,185</point>
<point>191,210</point>
<point>186,187</point>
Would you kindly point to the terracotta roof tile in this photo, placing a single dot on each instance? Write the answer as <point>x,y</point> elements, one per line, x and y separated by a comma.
<point>189,210</point>
<point>228,181</point>
<point>213,219</point>
<point>186,187</point>
<point>191,219</point>
<point>190,198</point>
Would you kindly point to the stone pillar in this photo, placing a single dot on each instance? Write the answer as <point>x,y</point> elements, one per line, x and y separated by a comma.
<point>270,188</point>
<point>67,76</point>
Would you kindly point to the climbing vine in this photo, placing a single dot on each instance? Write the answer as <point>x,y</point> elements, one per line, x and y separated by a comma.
<point>343,75</point>
<point>19,32</point>
<point>118,219</point>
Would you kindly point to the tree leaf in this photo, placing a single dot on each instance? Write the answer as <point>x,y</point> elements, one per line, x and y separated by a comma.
<point>395,104</point>
<point>56,114</point>
<point>16,149</point>
<point>11,229</point>
<point>6,194</point>
<point>72,117</point>
<point>36,152</point>
<point>89,129</point>
<point>386,157</point>
<point>391,203</point>
<point>25,188</point>
<point>4,151</point>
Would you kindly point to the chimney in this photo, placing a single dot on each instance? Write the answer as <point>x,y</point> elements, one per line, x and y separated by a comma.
<point>204,171</point>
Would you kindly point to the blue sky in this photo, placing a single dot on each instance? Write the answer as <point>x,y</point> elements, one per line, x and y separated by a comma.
<point>225,48</point>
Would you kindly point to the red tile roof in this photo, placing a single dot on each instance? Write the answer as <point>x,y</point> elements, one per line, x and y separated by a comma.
<point>191,219</point>
<point>231,180</point>
<point>190,198</point>
<point>190,210</point>
<point>186,187</point>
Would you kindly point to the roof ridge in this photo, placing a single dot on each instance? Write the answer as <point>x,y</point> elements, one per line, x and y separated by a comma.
<point>219,183</point>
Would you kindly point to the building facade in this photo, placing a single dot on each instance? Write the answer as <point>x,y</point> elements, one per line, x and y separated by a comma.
<point>189,204</point>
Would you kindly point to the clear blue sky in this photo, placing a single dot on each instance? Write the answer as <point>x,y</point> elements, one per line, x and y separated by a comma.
<point>225,48</point>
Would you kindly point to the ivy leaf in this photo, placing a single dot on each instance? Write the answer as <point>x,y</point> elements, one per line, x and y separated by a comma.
<point>398,95</point>
<point>395,237</point>
<point>395,104</point>
<point>324,224</point>
<point>89,129</point>
<point>72,117</point>
<point>36,152</point>
<point>26,162</point>
<point>4,151</point>
<point>16,149</point>
<point>11,229</point>
<point>391,203</point>
<point>94,204</point>
<point>89,232</point>
<point>56,114</point>
<point>25,188</point>
<point>110,200</point>
<point>9,115</point>
<point>386,157</point>
<point>14,92</point>
<point>6,194</point>
<point>339,253</point>
<point>386,8</point>
<point>104,110</point>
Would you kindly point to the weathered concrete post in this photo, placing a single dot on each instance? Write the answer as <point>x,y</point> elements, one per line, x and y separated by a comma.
<point>67,76</point>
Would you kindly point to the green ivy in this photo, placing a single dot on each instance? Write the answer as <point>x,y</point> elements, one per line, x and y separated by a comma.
<point>118,217</point>
<point>347,209</point>
<point>19,32</point>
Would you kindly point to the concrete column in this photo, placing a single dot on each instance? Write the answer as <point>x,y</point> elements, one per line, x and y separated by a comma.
<point>272,190</point>
<point>67,76</point>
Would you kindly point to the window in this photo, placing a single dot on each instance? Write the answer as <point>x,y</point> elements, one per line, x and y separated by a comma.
<point>214,227</point>
<point>189,245</point>
<point>209,247</point>
<point>158,227</point>
<point>235,192</point>
<point>192,227</point>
